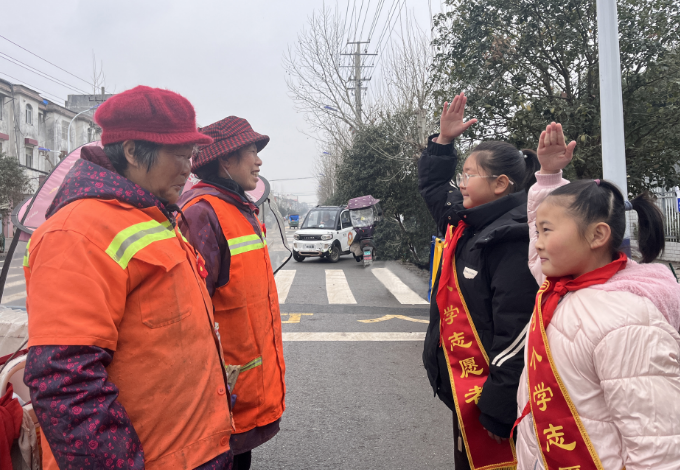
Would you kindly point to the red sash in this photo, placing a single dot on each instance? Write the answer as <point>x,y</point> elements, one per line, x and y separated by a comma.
<point>563,439</point>
<point>468,366</point>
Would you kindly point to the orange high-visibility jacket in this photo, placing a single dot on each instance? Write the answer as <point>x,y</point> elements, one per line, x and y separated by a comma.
<point>247,310</point>
<point>104,273</point>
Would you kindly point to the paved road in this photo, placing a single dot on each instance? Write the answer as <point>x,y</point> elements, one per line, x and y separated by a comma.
<point>365,403</point>
<point>15,287</point>
<point>358,396</point>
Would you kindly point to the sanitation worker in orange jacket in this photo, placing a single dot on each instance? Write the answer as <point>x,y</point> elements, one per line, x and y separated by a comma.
<point>124,365</point>
<point>221,223</point>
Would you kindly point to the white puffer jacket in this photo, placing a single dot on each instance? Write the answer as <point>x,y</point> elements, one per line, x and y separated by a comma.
<point>617,354</point>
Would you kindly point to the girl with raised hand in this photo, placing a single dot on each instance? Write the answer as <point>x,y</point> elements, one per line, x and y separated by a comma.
<point>483,296</point>
<point>601,388</point>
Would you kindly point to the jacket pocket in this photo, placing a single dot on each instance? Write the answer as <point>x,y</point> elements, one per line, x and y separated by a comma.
<point>165,289</point>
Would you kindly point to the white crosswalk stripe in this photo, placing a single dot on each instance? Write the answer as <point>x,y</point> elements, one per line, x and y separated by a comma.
<point>337,289</point>
<point>11,298</point>
<point>15,284</point>
<point>401,291</point>
<point>284,279</point>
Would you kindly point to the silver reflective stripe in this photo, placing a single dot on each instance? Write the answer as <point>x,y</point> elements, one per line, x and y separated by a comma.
<point>242,244</point>
<point>133,238</point>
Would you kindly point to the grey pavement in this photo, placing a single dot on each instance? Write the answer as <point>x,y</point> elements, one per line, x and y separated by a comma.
<point>15,286</point>
<point>350,404</point>
<point>357,404</point>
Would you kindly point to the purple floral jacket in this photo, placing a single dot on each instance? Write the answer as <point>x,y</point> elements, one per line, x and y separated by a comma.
<point>76,405</point>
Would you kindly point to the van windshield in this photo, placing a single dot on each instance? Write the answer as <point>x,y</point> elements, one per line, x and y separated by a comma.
<point>321,218</point>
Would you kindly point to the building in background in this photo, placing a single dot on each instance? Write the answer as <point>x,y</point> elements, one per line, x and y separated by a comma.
<point>36,131</point>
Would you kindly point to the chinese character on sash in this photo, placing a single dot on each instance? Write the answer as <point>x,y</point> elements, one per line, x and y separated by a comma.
<point>469,366</point>
<point>535,357</point>
<point>450,313</point>
<point>556,438</point>
<point>458,339</point>
<point>473,394</point>
<point>541,396</point>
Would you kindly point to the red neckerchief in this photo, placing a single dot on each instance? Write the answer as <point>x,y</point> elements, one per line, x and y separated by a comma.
<point>562,438</point>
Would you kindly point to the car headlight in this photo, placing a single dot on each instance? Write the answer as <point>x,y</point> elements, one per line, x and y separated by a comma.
<point>296,236</point>
<point>326,237</point>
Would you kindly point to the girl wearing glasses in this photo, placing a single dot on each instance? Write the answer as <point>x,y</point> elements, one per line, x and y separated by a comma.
<point>484,292</point>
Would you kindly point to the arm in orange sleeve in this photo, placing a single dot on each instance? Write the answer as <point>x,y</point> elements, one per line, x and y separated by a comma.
<point>76,299</point>
<point>76,292</point>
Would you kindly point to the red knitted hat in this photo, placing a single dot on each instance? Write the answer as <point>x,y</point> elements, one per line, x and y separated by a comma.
<point>151,114</point>
<point>230,134</point>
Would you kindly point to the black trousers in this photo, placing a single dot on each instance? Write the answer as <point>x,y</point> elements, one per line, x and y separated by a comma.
<point>242,461</point>
<point>460,458</point>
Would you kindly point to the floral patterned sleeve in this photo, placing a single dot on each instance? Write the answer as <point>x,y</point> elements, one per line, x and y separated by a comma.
<point>78,410</point>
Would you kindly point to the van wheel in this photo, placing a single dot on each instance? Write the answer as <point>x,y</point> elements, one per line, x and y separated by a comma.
<point>297,257</point>
<point>334,254</point>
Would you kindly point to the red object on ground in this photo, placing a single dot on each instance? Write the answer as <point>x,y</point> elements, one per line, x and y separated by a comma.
<point>11,415</point>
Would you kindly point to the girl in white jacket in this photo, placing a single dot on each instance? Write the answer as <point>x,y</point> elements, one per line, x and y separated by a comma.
<point>604,336</point>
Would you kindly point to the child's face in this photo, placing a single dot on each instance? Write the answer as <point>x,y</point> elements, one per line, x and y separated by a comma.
<point>563,249</point>
<point>477,190</point>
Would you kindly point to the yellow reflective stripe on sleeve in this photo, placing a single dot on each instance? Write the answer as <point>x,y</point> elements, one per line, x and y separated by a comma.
<point>245,243</point>
<point>252,364</point>
<point>26,253</point>
<point>130,241</point>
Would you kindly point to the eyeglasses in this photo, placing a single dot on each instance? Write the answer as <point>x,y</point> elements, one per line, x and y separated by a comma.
<point>462,179</point>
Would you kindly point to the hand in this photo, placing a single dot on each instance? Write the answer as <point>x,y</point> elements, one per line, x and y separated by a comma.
<point>451,123</point>
<point>553,153</point>
<point>498,439</point>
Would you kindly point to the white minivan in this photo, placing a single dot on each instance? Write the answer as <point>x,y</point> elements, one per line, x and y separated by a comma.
<point>326,232</point>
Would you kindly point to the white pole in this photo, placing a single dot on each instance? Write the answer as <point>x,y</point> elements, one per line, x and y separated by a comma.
<point>69,126</point>
<point>611,101</point>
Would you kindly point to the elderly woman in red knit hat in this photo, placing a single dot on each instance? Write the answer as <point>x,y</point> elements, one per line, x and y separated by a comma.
<point>124,367</point>
<point>221,222</point>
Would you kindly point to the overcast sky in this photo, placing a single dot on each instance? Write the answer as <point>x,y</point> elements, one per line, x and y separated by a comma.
<point>224,56</point>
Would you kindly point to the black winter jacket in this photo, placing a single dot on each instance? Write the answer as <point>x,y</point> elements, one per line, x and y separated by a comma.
<point>494,277</point>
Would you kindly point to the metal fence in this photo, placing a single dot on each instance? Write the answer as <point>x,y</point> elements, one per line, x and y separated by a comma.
<point>666,201</point>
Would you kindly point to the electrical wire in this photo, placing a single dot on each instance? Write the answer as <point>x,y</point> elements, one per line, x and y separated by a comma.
<point>378,11</point>
<point>40,73</point>
<point>52,64</point>
<point>359,18</point>
<point>33,87</point>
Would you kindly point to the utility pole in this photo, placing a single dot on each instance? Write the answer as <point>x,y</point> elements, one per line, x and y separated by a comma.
<point>357,79</point>
<point>611,102</point>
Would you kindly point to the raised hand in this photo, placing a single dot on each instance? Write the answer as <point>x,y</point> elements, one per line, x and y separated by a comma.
<point>451,123</point>
<point>553,152</point>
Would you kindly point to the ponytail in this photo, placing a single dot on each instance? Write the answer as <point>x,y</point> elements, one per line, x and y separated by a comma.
<point>532,166</point>
<point>502,158</point>
<point>593,201</point>
<point>651,239</point>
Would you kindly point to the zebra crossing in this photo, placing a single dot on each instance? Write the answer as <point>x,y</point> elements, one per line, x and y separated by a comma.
<point>15,286</point>
<point>338,291</point>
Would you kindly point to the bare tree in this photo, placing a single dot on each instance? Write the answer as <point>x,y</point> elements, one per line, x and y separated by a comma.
<point>321,83</point>
<point>98,76</point>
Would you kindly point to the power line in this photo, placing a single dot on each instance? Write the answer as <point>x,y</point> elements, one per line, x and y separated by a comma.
<point>378,11</point>
<point>359,21</point>
<point>54,65</point>
<point>35,88</point>
<point>363,25</point>
<point>39,72</point>
<point>392,30</point>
